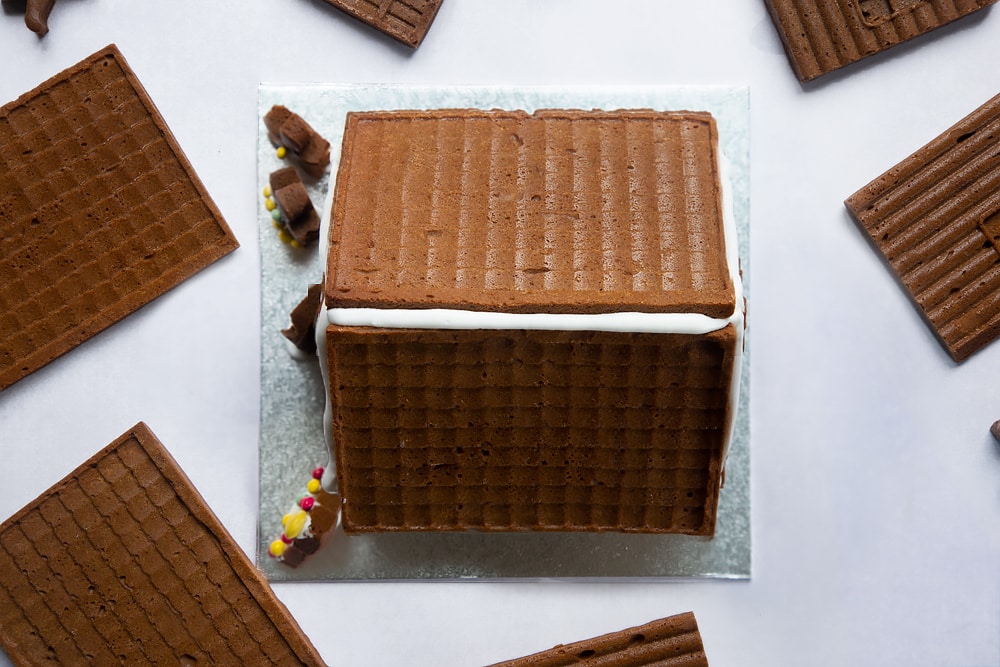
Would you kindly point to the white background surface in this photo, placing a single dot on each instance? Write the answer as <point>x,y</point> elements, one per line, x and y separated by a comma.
<point>875,482</point>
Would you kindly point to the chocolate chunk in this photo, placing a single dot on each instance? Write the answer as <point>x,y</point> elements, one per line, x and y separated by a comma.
<point>36,15</point>
<point>295,209</point>
<point>310,150</point>
<point>302,333</point>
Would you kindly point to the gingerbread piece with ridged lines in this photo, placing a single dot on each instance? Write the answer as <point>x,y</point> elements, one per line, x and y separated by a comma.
<point>935,218</point>
<point>122,562</point>
<point>100,211</point>
<point>406,21</point>
<point>821,36</point>
<point>674,641</point>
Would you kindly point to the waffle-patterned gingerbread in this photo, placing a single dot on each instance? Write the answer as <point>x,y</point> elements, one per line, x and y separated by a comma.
<point>100,212</point>
<point>122,562</point>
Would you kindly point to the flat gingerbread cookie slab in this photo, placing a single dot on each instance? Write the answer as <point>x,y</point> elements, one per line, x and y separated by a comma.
<point>824,35</point>
<point>122,562</point>
<point>100,211</point>
<point>935,218</point>
<point>406,21</point>
<point>673,641</point>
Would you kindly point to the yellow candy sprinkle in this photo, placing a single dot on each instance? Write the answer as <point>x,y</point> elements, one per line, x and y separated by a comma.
<point>277,548</point>
<point>281,152</point>
<point>267,192</point>
<point>286,237</point>
<point>312,486</point>
<point>295,243</point>
<point>269,204</point>
<point>295,525</point>
<point>277,224</point>
<point>285,519</point>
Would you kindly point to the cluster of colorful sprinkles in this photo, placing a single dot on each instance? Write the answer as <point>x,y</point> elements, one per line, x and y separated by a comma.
<point>315,513</point>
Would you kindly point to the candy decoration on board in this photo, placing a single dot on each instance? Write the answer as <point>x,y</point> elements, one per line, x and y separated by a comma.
<point>294,138</point>
<point>291,209</point>
<point>313,515</point>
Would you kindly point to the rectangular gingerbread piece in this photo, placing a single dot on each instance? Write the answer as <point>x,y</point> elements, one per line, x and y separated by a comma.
<point>406,21</point>
<point>122,562</point>
<point>935,218</point>
<point>821,36</point>
<point>100,211</point>
<point>668,642</point>
<point>473,420</point>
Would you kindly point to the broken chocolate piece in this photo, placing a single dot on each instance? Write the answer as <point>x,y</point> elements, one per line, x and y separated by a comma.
<point>302,333</point>
<point>295,209</point>
<point>36,15</point>
<point>311,151</point>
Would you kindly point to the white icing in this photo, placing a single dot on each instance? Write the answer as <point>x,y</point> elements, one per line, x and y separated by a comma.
<point>622,322</point>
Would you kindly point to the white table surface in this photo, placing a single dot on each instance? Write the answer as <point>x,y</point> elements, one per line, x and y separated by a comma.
<point>875,481</point>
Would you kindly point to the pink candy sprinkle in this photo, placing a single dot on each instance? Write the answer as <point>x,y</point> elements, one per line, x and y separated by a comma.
<point>307,503</point>
<point>318,473</point>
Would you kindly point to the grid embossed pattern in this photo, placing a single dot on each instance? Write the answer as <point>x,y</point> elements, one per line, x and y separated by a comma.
<point>668,642</point>
<point>100,212</point>
<point>123,563</point>
<point>823,35</point>
<point>404,20</point>
<point>935,218</point>
<point>518,430</point>
<point>554,211</point>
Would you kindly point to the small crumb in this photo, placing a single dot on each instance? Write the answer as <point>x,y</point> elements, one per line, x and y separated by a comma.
<point>995,430</point>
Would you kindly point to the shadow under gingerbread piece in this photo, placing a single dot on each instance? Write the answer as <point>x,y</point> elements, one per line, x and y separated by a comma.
<point>100,211</point>
<point>935,217</point>
<point>824,35</point>
<point>122,562</point>
<point>406,21</point>
<point>673,642</point>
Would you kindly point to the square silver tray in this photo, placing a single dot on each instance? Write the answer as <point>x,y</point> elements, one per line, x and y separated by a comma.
<point>292,394</point>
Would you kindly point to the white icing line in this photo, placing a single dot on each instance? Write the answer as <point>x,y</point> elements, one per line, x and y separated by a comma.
<point>445,318</point>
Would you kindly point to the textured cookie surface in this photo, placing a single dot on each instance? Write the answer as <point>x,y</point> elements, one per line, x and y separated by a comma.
<point>935,217</point>
<point>824,35</point>
<point>404,20</point>
<point>122,562</point>
<point>668,642</point>
<point>529,430</point>
<point>558,211</point>
<point>100,212</point>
